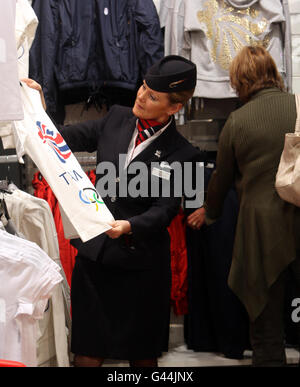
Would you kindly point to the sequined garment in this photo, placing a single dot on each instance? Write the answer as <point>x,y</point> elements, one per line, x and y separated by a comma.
<point>217,29</point>
<point>229,29</point>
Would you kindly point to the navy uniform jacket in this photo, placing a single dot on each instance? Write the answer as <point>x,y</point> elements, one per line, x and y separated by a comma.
<point>149,244</point>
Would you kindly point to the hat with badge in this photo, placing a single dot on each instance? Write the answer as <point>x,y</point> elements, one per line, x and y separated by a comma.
<point>171,74</point>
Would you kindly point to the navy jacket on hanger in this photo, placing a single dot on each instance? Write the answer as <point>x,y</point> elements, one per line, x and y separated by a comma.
<point>93,43</point>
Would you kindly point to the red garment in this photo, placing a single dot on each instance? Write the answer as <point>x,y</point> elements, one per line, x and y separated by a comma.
<point>179,265</point>
<point>92,176</point>
<point>66,250</point>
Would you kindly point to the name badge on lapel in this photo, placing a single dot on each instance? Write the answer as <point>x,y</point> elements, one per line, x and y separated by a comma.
<point>159,172</point>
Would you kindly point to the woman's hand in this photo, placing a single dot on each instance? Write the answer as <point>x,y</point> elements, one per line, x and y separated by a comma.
<point>31,83</point>
<point>36,86</point>
<point>196,219</point>
<point>119,227</point>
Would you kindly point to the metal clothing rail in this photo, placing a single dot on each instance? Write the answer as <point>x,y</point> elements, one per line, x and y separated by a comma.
<point>81,159</point>
<point>8,159</point>
<point>87,160</point>
<point>14,159</point>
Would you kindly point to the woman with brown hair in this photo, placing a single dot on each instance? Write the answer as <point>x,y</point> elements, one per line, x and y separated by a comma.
<point>249,151</point>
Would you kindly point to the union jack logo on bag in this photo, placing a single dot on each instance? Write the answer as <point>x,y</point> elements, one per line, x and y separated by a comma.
<point>55,141</point>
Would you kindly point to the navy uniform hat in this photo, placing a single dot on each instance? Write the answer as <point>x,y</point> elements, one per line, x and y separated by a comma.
<point>171,74</point>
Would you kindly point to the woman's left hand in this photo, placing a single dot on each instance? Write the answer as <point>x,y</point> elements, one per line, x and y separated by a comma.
<point>119,227</point>
<point>196,219</point>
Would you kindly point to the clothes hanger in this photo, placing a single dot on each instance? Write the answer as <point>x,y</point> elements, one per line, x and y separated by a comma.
<point>4,207</point>
<point>4,186</point>
<point>5,183</point>
<point>6,224</point>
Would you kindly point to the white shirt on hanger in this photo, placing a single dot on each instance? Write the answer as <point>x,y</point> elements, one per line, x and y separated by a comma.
<point>30,277</point>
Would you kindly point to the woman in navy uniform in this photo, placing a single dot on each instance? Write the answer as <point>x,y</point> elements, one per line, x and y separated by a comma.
<point>121,282</point>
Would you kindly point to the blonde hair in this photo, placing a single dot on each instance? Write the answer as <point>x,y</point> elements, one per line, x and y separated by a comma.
<point>253,69</point>
<point>181,97</point>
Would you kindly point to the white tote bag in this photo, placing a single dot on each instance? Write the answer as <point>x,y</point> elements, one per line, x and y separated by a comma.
<point>84,214</point>
<point>287,181</point>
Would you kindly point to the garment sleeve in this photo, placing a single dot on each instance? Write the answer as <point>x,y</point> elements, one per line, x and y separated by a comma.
<point>43,51</point>
<point>157,218</point>
<point>287,50</point>
<point>26,23</point>
<point>222,178</point>
<point>191,203</point>
<point>150,38</point>
<point>171,19</point>
<point>83,137</point>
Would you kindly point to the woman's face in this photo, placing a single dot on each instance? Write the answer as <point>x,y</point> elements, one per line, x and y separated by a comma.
<point>153,105</point>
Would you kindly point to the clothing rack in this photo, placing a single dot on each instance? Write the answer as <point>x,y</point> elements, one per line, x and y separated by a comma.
<point>87,160</point>
<point>14,159</point>
<point>8,159</point>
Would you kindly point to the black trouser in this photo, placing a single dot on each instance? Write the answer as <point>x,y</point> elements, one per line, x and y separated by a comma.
<point>267,331</point>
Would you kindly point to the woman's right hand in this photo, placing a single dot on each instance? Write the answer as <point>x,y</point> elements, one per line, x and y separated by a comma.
<point>36,86</point>
<point>196,219</point>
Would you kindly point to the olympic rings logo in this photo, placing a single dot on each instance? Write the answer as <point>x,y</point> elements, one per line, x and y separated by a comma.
<point>92,197</point>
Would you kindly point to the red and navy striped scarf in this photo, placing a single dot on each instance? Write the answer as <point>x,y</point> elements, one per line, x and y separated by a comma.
<point>146,129</point>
